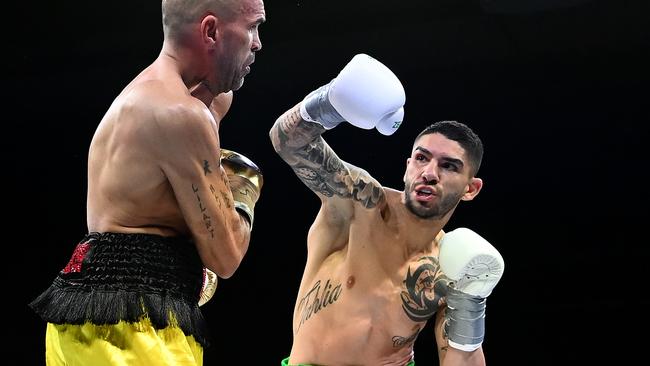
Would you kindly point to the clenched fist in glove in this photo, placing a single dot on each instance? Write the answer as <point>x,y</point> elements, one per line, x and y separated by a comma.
<point>365,93</point>
<point>246,182</point>
<point>474,267</point>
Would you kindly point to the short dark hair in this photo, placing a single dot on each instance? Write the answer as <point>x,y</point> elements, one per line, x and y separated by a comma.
<point>462,134</point>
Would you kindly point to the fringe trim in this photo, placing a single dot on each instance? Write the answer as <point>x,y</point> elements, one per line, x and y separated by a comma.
<point>64,303</point>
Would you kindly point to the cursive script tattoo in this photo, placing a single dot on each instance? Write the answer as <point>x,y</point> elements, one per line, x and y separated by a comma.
<point>207,220</point>
<point>315,300</point>
<point>399,341</point>
<point>424,289</point>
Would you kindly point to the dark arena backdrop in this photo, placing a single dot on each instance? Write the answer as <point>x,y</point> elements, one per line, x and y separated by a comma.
<point>558,91</point>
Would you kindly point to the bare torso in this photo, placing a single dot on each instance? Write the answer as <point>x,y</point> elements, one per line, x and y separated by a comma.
<point>365,295</point>
<point>127,189</point>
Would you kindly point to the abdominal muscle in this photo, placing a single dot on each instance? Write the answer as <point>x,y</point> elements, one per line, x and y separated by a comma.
<point>349,320</point>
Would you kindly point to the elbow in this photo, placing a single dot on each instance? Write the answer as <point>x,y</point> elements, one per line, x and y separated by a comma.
<point>274,136</point>
<point>225,266</point>
<point>226,260</point>
<point>227,272</point>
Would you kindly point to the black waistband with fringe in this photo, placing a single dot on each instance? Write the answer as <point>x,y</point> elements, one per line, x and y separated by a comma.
<point>114,276</point>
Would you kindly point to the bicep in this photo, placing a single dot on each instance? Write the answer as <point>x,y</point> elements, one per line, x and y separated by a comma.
<point>189,156</point>
<point>190,159</point>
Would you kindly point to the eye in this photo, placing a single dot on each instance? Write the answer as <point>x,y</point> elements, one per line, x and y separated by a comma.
<point>420,157</point>
<point>449,166</point>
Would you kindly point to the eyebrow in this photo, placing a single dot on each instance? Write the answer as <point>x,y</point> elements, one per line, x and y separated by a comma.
<point>444,158</point>
<point>423,150</point>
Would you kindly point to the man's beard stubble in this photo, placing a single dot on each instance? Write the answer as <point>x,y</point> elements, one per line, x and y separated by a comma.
<point>446,204</point>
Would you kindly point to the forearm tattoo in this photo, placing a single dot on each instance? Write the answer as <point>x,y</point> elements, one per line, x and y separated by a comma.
<point>221,195</point>
<point>206,167</point>
<point>317,299</point>
<point>224,197</point>
<point>299,143</point>
<point>444,348</point>
<point>207,220</point>
<point>425,287</point>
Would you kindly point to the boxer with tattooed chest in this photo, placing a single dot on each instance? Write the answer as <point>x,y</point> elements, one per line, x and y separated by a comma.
<point>379,265</point>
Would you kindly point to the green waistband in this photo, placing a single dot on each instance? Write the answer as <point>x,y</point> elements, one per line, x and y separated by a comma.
<point>285,362</point>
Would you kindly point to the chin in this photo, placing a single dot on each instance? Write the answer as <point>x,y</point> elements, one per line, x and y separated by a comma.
<point>238,84</point>
<point>419,211</point>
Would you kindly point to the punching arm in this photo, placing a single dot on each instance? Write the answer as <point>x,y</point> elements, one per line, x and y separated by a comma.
<point>367,95</point>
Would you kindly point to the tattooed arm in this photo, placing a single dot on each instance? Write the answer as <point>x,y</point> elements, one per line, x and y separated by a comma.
<point>449,356</point>
<point>190,158</point>
<point>300,144</point>
<point>366,94</point>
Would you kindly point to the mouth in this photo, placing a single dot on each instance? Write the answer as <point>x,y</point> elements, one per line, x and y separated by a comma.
<point>247,69</point>
<point>424,193</point>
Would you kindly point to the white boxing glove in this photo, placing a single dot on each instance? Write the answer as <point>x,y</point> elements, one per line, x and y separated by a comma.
<point>391,122</point>
<point>474,267</point>
<point>470,261</point>
<point>365,93</point>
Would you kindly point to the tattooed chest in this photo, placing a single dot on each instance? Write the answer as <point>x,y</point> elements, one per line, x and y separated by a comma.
<point>423,288</point>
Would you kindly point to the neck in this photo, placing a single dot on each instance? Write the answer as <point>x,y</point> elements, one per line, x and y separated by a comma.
<point>186,63</point>
<point>420,233</point>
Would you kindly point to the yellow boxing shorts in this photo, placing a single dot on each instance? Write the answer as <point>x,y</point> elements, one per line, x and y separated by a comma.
<point>124,343</point>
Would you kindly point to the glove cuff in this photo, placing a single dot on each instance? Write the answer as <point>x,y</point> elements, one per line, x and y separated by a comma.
<point>465,320</point>
<point>245,197</point>
<point>317,108</point>
<point>245,211</point>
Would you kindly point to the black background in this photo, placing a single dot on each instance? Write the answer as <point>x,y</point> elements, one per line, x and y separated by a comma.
<point>559,95</point>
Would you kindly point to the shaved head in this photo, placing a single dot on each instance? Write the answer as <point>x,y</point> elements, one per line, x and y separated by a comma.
<point>177,14</point>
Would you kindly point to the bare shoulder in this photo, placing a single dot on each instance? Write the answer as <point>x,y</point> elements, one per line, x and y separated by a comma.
<point>167,112</point>
<point>393,195</point>
<point>391,198</point>
<point>160,122</point>
<point>348,192</point>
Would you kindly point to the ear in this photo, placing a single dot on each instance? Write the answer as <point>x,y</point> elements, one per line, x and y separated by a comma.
<point>408,160</point>
<point>473,188</point>
<point>209,29</point>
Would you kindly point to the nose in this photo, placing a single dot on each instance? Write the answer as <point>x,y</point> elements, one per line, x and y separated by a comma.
<point>430,176</point>
<point>257,43</point>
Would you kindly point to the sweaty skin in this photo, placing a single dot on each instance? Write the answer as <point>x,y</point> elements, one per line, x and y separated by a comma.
<point>372,279</point>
